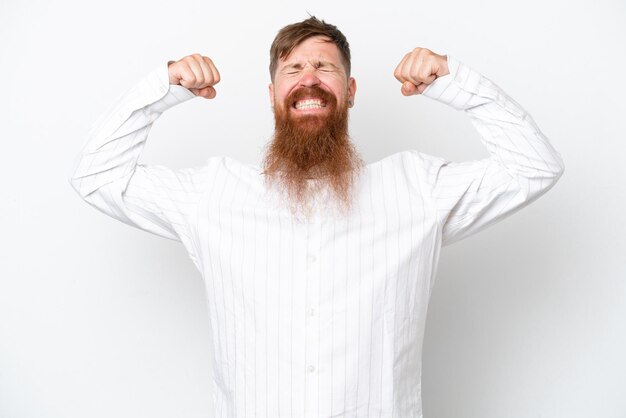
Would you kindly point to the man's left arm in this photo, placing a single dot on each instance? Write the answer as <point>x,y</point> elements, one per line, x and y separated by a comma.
<point>469,196</point>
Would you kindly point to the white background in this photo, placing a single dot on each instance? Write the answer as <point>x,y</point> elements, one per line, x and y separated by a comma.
<point>97,319</point>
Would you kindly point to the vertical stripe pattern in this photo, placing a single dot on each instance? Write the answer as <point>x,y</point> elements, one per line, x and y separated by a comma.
<point>324,316</point>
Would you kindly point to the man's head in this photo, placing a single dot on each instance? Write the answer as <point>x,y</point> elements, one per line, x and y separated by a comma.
<point>293,35</point>
<point>311,92</point>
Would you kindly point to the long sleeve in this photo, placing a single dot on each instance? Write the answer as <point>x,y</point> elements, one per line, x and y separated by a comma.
<point>523,165</point>
<point>106,174</point>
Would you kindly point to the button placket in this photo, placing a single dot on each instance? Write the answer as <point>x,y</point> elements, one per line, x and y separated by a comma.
<point>312,336</point>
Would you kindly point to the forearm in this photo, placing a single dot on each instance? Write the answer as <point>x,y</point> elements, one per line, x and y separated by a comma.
<point>510,135</point>
<point>116,140</point>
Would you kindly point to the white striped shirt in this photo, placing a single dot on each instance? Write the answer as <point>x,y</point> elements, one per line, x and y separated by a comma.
<point>323,317</point>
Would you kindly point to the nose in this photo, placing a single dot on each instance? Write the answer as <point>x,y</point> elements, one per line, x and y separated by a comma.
<point>309,79</point>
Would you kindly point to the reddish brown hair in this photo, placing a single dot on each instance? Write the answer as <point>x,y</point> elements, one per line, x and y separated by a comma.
<point>293,35</point>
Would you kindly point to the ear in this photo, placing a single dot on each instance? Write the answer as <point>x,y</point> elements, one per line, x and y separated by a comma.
<point>351,91</point>
<point>271,92</point>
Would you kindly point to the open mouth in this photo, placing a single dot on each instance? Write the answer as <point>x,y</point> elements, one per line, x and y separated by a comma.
<point>307,104</point>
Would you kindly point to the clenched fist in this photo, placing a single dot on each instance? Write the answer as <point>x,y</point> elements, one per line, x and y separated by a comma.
<point>196,73</point>
<point>418,69</point>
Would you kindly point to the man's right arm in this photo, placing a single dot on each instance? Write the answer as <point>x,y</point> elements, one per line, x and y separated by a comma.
<point>106,174</point>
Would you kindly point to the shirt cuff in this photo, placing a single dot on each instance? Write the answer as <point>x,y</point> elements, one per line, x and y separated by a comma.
<point>456,88</point>
<point>167,95</point>
<point>465,88</point>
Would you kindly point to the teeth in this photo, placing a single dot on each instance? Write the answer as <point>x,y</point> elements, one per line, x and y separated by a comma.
<point>309,104</point>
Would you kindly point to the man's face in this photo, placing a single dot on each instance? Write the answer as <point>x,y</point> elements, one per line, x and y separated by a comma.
<point>315,63</point>
<point>310,96</point>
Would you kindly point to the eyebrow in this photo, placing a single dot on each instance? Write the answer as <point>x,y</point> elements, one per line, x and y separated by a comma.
<point>318,63</point>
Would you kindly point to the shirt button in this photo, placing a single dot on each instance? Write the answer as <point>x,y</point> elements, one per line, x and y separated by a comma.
<point>310,369</point>
<point>312,258</point>
<point>312,312</point>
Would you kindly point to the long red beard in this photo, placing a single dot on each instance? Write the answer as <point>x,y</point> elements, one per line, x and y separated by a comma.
<point>312,147</point>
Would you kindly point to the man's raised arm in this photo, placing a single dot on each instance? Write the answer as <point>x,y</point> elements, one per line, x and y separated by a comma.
<point>106,174</point>
<point>522,165</point>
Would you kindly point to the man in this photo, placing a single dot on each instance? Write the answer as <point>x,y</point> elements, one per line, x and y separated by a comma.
<point>318,268</point>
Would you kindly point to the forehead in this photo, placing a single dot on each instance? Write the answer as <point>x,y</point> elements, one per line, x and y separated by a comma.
<point>314,48</point>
